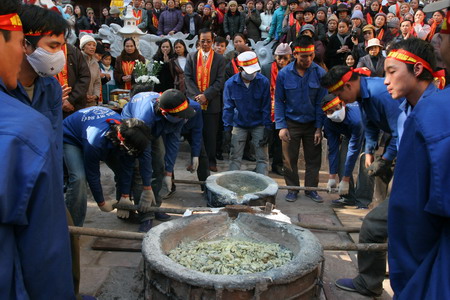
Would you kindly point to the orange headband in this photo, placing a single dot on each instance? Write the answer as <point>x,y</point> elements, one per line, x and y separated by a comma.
<point>410,58</point>
<point>304,50</point>
<point>37,33</point>
<point>331,104</point>
<point>177,109</point>
<point>248,62</point>
<point>346,77</point>
<point>10,22</point>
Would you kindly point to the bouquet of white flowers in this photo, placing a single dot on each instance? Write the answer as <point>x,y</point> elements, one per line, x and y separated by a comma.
<point>145,73</point>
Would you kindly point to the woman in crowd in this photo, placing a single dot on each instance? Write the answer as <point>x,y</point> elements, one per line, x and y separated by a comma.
<point>359,49</point>
<point>332,25</point>
<point>88,46</point>
<point>164,54</point>
<point>234,21</point>
<point>209,19</point>
<point>371,11</point>
<point>339,45</point>
<point>199,8</point>
<point>123,70</point>
<point>374,60</point>
<point>414,4</point>
<point>421,29</point>
<point>266,18</point>
<point>82,23</point>
<point>177,64</point>
<point>71,19</point>
<point>350,61</point>
<point>192,21</point>
<point>107,75</point>
<point>381,27</point>
<point>94,23</point>
<point>105,15</point>
<point>405,9</point>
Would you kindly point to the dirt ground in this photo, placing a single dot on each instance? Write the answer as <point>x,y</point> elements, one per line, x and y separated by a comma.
<point>119,274</point>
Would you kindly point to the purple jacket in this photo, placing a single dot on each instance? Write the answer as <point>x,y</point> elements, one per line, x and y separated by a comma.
<point>169,20</point>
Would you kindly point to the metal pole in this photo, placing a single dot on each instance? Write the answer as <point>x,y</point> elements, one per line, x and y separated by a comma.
<point>296,188</point>
<point>127,235</point>
<point>328,228</point>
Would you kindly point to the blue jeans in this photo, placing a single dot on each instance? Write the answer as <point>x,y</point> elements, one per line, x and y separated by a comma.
<point>238,139</point>
<point>76,194</point>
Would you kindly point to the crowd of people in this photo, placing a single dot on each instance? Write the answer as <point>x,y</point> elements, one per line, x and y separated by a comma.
<point>367,77</point>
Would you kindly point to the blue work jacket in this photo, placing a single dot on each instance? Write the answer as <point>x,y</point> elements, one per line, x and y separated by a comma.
<point>47,99</point>
<point>379,112</point>
<point>298,98</point>
<point>246,107</point>
<point>142,107</point>
<point>35,255</point>
<point>86,129</point>
<point>194,126</point>
<point>353,129</point>
<point>419,207</point>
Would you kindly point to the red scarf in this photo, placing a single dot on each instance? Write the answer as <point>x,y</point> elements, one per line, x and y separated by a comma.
<point>369,18</point>
<point>273,81</point>
<point>292,20</point>
<point>380,34</point>
<point>127,68</point>
<point>203,73</point>
<point>235,67</point>
<point>155,20</point>
<point>138,14</point>
<point>63,77</point>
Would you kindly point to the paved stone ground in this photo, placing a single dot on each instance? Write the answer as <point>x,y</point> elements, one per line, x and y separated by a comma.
<point>118,275</point>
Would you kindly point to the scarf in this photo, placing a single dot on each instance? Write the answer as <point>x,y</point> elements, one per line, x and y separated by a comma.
<point>137,14</point>
<point>235,67</point>
<point>63,76</point>
<point>203,73</point>
<point>127,68</point>
<point>273,80</point>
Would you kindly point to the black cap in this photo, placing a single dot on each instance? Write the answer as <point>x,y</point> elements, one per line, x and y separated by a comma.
<point>292,1</point>
<point>175,103</point>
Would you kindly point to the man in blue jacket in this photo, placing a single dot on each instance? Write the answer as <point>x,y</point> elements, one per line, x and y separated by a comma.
<point>165,115</point>
<point>92,135</point>
<point>408,247</point>
<point>419,207</point>
<point>35,261</point>
<point>379,113</point>
<point>344,131</point>
<point>299,116</point>
<point>246,110</point>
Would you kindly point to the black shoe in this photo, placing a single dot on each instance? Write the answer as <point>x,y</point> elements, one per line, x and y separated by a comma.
<point>343,202</point>
<point>278,170</point>
<point>219,156</point>
<point>145,226</point>
<point>162,216</point>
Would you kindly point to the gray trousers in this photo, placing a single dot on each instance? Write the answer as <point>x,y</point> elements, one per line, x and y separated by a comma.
<point>238,139</point>
<point>372,264</point>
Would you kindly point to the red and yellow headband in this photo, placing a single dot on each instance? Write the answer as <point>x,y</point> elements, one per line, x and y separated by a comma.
<point>177,109</point>
<point>247,63</point>
<point>331,104</point>
<point>37,33</point>
<point>299,49</point>
<point>10,22</point>
<point>346,77</point>
<point>410,58</point>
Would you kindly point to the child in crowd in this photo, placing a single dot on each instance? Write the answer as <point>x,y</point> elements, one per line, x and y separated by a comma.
<point>106,74</point>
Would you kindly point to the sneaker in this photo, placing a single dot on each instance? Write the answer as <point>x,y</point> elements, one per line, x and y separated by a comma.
<point>145,226</point>
<point>314,196</point>
<point>343,201</point>
<point>291,197</point>
<point>346,284</point>
<point>162,216</point>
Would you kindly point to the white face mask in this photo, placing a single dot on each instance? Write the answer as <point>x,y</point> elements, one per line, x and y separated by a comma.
<point>47,64</point>
<point>247,76</point>
<point>338,116</point>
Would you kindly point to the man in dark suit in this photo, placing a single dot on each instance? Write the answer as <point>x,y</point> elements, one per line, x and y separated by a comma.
<point>205,74</point>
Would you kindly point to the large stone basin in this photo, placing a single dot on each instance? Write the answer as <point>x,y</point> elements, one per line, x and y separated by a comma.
<point>166,279</point>
<point>240,187</point>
